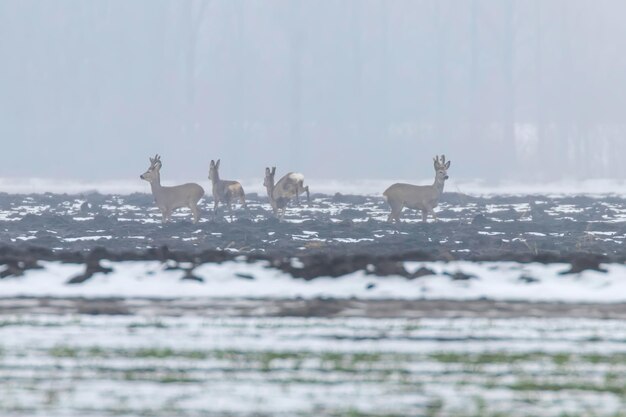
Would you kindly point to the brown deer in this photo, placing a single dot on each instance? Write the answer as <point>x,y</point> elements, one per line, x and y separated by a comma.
<point>225,191</point>
<point>169,199</point>
<point>418,197</point>
<point>289,186</point>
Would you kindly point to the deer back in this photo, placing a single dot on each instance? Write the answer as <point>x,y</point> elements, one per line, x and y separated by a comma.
<point>179,195</point>
<point>288,186</point>
<point>413,196</point>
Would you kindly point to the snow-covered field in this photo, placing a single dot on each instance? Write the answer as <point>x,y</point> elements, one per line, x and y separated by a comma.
<point>465,333</point>
<point>240,280</point>
<point>87,366</point>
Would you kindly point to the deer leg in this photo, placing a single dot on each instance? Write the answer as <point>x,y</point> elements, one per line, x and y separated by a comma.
<point>167,213</point>
<point>194,212</point>
<point>390,217</point>
<point>215,203</point>
<point>425,216</point>
<point>243,200</point>
<point>299,190</point>
<point>398,213</point>
<point>432,211</point>
<point>394,215</point>
<point>308,196</point>
<point>228,204</point>
<point>396,209</point>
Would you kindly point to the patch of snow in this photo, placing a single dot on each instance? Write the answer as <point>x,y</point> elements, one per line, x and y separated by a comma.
<point>86,238</point>
<point>494,280</point>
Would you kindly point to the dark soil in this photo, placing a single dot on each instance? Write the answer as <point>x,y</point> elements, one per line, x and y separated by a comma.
<point>310,308</point>
<point>332,236</point>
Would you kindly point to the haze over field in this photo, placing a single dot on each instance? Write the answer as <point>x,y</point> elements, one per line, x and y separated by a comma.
<point>130,288</point>
<point>524,90</point>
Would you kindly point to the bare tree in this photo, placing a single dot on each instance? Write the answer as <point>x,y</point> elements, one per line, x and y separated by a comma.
<point>192,18</point>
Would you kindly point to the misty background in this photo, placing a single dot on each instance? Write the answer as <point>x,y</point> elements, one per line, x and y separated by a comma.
<point>526,90</point>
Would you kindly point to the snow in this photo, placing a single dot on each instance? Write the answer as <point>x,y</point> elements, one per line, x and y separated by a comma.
<point>67,365</point>
<point>493,280</point>
<point>87,238</point>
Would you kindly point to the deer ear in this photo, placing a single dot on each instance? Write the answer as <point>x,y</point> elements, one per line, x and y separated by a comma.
<point>448,164</point>
<point>267,171</point>
<point>273,170</point>
<point>217,164</point>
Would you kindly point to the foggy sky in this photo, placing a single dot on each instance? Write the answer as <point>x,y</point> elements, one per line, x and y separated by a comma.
<point>526,90</point>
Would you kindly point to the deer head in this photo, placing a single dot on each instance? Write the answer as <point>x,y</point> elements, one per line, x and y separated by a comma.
<point>269,177</point>
<point>214,170</point>
<point>441,168</point>
<point>152,174</point>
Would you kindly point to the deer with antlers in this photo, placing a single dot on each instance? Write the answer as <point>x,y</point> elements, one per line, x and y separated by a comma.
<point>225,191</point>
<point>289,186</point>
<point>169,199</point>
<point>418,197</point>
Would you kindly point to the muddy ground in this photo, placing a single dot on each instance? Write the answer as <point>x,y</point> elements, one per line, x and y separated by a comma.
<point>331,235</point>
<point>322,308</point>
<point>469,227</point>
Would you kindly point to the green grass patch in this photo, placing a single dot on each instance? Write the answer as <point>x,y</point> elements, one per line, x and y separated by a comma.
<point>357,413</point>
<point>152,325</point>
<point>530,385</point>
<point>98,352</point>
<point>484,358</point>
<point>560,359</point>
<point>163,378</point>
<point>64,352</point>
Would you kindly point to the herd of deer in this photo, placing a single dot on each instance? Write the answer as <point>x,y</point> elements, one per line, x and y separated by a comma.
<point>290,186</point>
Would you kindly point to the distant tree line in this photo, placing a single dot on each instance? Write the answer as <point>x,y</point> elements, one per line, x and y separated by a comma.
<point>532,89</point>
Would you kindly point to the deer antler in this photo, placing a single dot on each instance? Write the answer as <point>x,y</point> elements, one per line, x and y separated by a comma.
<point>156,160</point>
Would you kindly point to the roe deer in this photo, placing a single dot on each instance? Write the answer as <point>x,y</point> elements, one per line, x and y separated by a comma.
<point>225,191</point>
<point>289,186</point>
<point>418,197</point>
<point>169,199</point>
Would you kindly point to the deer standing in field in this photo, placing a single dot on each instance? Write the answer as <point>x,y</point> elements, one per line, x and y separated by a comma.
<point>225,191</point>
<point>418,197</point>
<point>289,186</point>
<point>169,199</point>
